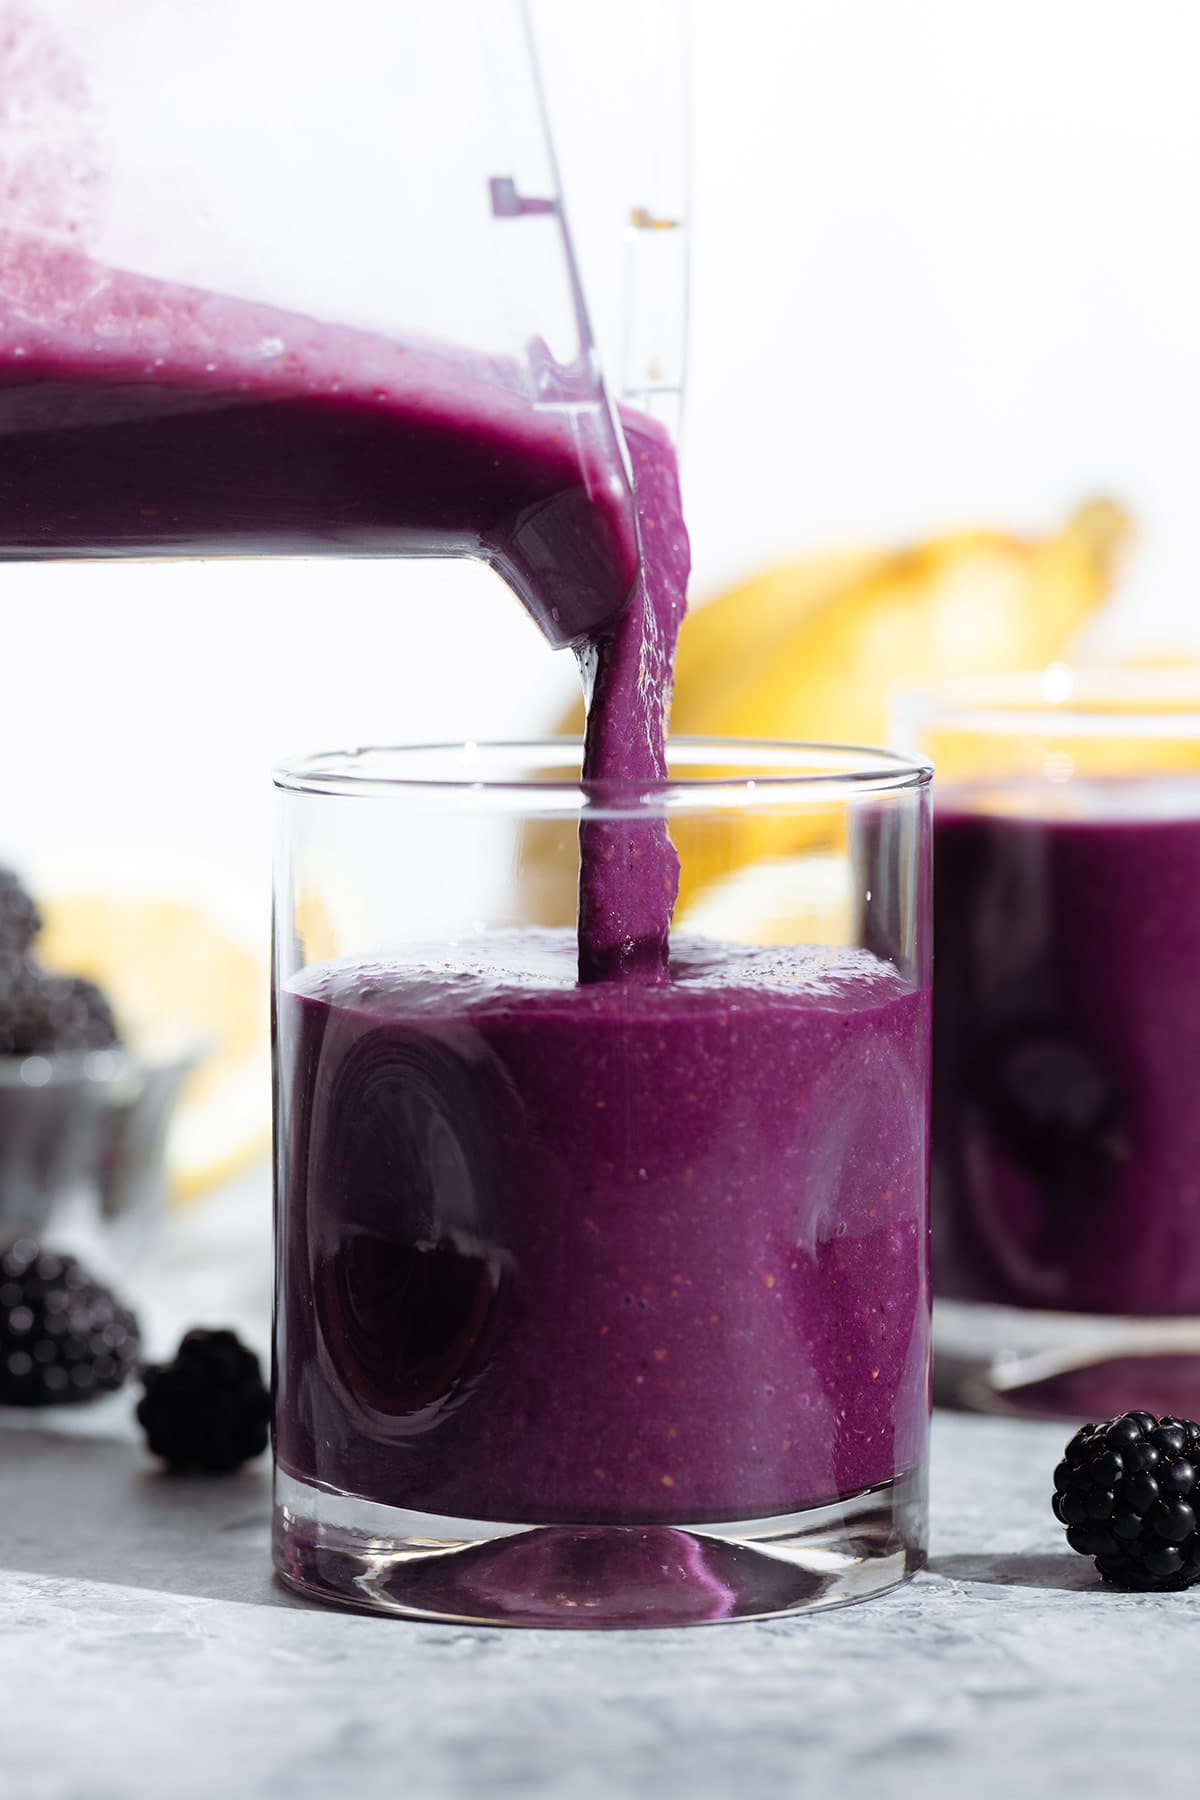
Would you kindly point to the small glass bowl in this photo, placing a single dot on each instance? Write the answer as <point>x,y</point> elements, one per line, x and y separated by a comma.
<point>83,1139</point>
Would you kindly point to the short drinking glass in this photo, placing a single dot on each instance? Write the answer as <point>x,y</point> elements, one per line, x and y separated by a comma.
<point>1066,1136</point>
<point>600,1302</point>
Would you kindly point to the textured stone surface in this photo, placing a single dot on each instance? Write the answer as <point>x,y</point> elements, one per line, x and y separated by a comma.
<point>146,1655</point>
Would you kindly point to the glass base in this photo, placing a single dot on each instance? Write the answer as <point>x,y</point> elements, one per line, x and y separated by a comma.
<point>334,1547</point>
<point>1063,1365</point>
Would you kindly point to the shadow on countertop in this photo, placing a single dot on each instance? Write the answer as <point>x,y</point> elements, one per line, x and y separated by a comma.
<point>1051,1570</point>
<point>93,1509</point>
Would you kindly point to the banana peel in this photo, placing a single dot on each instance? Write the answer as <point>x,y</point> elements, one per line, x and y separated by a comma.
<point>812,649</point>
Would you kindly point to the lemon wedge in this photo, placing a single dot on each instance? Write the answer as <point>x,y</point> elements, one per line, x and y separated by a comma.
<point>178,979</point>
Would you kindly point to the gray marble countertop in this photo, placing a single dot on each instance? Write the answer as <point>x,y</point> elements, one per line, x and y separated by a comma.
<point>145,1653</point>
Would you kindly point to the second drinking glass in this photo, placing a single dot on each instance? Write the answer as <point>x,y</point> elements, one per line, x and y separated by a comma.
<point>1066,1139</point>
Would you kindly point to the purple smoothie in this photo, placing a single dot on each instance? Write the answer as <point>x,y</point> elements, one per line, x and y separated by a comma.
<point>1066,1136</point>
<point>606,1253</point>
<point>629,873</point>
<point>139,418</point>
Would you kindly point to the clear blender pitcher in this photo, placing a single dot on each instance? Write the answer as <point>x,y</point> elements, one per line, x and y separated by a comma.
<point>272,288</point>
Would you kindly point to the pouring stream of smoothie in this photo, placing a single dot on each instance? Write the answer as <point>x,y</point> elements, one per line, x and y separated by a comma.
<point>138,417</point>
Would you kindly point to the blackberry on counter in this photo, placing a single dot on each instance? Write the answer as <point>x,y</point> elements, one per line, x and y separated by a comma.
<point>20,920</point>
<point>1128,1491</point>
<point>209,1410</point>
<point>63,1337</point>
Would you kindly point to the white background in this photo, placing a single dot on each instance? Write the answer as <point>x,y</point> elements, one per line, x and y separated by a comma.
<point>945,272</point>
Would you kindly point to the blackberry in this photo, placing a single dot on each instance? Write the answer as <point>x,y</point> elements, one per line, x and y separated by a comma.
<point>209,1409</point>
<point>77,1014</point>
<point>63,1337</point>
<point>42,1013</point>
<point>1128,1492</point>
<point>20,920</point>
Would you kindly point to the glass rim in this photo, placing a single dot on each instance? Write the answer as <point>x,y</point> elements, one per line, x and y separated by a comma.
<point>1058,699</point>
<point>777,769</point>
<point>114,1065</point>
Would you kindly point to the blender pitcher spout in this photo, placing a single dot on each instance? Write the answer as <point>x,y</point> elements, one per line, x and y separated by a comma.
<point>232,335</point>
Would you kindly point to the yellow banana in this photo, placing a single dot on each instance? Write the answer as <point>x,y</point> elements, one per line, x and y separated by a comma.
<point>812,649</point>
